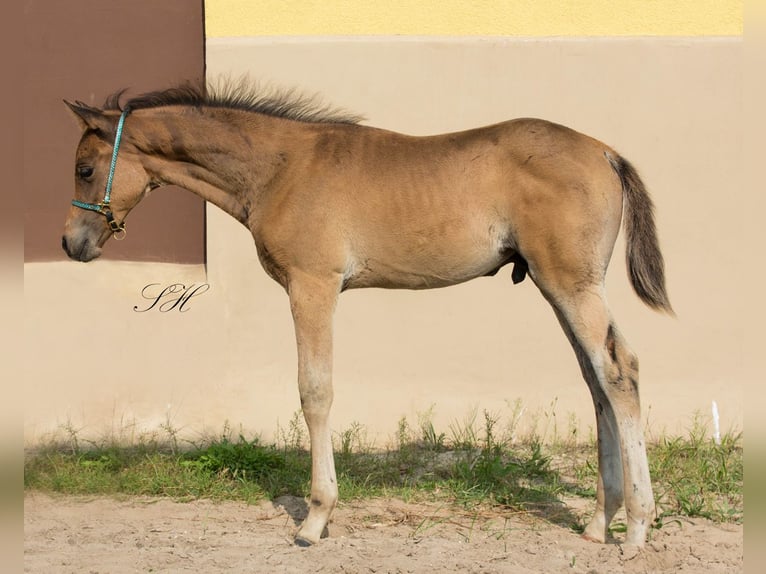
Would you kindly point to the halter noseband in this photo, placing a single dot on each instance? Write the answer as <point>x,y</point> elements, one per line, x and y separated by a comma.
<point>103,207</point>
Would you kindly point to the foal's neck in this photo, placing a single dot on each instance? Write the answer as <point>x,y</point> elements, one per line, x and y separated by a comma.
<point>227,157</point>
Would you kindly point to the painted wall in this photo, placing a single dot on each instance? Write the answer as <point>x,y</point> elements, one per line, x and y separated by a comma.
<point>670,104</point>
<point>521,18</point>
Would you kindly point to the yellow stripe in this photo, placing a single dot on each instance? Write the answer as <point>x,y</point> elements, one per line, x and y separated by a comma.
<point>224,18</point>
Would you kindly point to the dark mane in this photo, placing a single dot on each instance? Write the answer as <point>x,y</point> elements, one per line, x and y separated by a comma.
<point>241,95</point>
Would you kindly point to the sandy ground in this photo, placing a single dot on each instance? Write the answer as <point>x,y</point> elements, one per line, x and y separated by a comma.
<point>104,535</point>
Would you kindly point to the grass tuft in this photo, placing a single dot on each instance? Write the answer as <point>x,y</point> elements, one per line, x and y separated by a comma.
<point>694,476</point>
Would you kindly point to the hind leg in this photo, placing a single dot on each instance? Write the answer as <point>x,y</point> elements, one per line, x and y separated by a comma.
<point>611,371</point>
<point>609,490</point>
<point>566,231</point>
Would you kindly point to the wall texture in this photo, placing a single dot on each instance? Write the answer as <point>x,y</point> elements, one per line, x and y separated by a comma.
<point>670,104</point>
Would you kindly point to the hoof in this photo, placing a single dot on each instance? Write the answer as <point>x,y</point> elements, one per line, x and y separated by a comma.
<point>590,538</point>
<point>303,542</point>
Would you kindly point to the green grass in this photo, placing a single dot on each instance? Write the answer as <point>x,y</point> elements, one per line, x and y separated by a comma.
<point>697,477</point>
<point>474,464</point>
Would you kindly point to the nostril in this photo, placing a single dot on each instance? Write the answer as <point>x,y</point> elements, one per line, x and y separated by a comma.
<point>63,244</point>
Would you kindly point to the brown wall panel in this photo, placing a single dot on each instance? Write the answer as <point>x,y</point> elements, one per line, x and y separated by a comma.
<point>85,50</point>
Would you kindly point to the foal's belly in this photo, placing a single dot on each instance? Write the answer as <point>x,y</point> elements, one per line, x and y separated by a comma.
<point>426,267</point>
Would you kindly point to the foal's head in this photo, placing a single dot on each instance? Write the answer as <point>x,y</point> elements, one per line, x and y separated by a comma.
<point>99,209</point>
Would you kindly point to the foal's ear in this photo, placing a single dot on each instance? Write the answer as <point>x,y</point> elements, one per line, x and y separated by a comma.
<point>90,118</point>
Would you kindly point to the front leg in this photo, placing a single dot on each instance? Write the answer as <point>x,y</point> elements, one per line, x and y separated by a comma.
<point>312,301</point>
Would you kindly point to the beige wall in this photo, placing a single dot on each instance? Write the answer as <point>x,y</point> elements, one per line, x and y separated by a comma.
<point>227,18</point>
<point>672,106</point>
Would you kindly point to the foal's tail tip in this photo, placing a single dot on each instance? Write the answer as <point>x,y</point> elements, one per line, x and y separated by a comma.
<point>663,306</point>
<point>646,266</point>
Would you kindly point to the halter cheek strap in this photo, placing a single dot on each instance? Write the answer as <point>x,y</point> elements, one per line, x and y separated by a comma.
<point>103,207</point>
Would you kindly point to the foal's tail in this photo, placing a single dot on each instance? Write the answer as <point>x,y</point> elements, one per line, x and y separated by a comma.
<point>645,264</point>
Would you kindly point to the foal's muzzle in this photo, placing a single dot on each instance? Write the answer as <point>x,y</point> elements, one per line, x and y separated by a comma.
<point>80,251</point>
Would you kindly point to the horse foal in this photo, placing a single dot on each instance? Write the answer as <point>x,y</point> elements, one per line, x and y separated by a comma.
<point>334,205</point>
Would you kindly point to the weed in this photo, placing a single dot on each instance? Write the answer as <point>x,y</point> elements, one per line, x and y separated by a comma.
<point>72,434</point>
<point>353,439</point>
<point>516,413</point>
<point>403,434</point>
<point>171,431</point>
<point>294,437</point>
<point>464,434</point>
<point>430,438</point>
<point>694,476</point>
<point>241,460</point>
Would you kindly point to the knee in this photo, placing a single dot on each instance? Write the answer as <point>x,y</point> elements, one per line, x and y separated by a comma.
<point>316,401</point>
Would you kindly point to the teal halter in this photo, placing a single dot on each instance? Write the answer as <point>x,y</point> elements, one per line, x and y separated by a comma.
<point>103,207</point>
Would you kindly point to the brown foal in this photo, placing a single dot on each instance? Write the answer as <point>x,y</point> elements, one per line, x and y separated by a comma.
<point>334,205</point>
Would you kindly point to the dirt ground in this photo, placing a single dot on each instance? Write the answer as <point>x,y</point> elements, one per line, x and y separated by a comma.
<point>116,536</point>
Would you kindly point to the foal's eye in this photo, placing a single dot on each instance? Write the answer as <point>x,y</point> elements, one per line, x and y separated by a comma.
<point>84,172</point>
